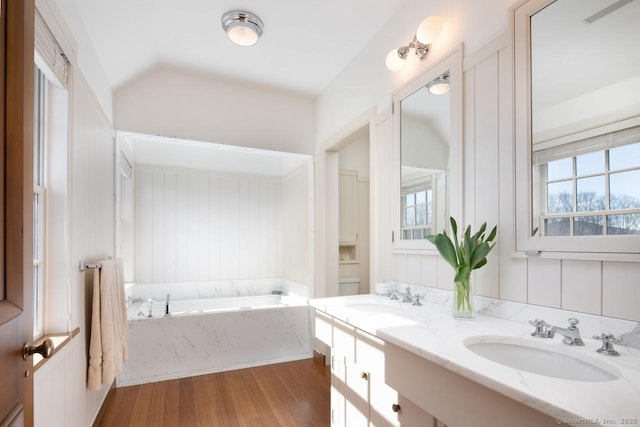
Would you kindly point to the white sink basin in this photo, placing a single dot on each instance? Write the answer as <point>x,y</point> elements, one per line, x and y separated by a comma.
<point>541,359</point>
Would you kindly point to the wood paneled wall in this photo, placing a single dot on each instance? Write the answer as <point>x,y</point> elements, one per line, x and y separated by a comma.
<point>595,287</point>
<point>296,241</point>
<point>194,225</point>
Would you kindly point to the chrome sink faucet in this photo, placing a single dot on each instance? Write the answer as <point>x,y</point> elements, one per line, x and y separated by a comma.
<point>406,295</point>
<point>571,334</point>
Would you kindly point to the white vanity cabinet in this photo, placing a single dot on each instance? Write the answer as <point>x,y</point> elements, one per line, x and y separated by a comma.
<point>453,398</point>
<point>360,395</point>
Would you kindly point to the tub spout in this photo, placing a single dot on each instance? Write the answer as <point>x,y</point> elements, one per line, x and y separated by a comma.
<point>167,312</point>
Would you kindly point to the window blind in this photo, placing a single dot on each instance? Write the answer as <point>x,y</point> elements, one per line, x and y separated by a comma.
<point>48,54</point>
<point>588,145</point>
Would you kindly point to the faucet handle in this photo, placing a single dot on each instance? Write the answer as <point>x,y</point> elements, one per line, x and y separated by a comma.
<point>416,300</point>
<point>543,329</point>
<point>607,344</point>
<point>573,322</point>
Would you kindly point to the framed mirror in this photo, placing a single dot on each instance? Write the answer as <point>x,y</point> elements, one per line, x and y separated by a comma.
<point>427,154</point>
<point>577,126</point>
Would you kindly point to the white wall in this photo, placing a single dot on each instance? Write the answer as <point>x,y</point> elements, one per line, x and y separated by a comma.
<point>355,156</point>
<point>62,398</point>
<point>92,232</point>
<point>84,228</point>
<point>367,83</point>
<point>185,105</point>
<point>297,262</point>
<point>605,288</point>
<point>63,19</point>
<point>194,225</point>
<point>422,146</point>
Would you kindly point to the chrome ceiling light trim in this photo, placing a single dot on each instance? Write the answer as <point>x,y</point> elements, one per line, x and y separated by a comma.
<point>242,27</point>
<point>439,85</point>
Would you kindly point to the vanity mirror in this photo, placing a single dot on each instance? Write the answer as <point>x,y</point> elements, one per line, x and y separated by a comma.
<point>577,126</point>
<point>427,123</point>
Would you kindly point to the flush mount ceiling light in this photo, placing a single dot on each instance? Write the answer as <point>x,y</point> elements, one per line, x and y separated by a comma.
<point>426,34</point>
<point>242,27</point>
<point>439,85</point>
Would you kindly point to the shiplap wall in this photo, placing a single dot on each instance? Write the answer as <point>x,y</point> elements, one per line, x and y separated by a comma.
<point>296,262</point>
<point>61,397</point>
<point>604,288</point>
<point>194,225</point>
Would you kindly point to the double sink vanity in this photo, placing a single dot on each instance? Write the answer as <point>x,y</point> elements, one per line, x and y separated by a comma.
<point>411,364</point>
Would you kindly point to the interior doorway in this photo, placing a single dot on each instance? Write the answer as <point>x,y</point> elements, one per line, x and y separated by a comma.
<point>343,245</point>
<point>353,213</point>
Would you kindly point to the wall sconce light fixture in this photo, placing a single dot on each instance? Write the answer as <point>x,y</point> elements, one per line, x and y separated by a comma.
<point>426,34</point>
<point>242,27</point>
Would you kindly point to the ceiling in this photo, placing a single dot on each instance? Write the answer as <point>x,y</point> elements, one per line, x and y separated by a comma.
<point>304,46</point>
<point>571,57</point>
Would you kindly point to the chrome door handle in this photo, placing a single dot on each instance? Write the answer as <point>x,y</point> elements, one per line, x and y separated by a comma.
<point>45,349</point>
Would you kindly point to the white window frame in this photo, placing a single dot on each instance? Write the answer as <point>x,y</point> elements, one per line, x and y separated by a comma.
<point>425,184</point>
<point>601,248</point>
<point>39,201</point>
<point>541,181</point>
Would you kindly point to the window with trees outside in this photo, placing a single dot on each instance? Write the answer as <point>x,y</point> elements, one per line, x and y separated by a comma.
<point>593,192</point>
<point>417,210</point>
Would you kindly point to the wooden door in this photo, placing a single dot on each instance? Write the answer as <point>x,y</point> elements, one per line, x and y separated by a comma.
<point>16,192</point>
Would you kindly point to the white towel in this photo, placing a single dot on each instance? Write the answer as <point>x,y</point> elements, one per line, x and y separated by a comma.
<point>108,342</point>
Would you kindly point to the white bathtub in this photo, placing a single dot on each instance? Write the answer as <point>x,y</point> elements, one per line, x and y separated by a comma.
<point>207,335</point>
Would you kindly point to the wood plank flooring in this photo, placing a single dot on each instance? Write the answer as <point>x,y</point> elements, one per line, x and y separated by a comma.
<point>295,394</point>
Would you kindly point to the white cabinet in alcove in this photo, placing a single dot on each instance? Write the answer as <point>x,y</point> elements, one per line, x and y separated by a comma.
<point>348,206</point>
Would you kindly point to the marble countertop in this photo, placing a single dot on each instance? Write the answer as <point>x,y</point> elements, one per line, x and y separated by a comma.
<point>430,332</point>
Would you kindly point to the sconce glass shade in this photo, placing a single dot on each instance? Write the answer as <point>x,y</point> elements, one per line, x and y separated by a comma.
<point>393,61</point>
<point>242,28</point>
<point>429,29</point>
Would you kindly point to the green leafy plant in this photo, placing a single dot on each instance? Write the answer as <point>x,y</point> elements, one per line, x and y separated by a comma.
<point>465,255</point>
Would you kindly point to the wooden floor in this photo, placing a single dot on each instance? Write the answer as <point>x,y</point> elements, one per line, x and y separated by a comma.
<point>292,394</point>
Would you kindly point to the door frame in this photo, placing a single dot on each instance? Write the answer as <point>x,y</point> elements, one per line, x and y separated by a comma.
<point>16,259</point>
<point>326,169</point>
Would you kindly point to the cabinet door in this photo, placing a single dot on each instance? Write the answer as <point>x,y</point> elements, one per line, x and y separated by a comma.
<point>356,393</point>
<point>370,357</point>
<point>411,415</point>
<point>382,400</point>
<point>337,393</point>
<point>347,207</point>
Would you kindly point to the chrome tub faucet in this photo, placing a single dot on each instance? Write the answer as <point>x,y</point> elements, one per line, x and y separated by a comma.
<point>167,312</point>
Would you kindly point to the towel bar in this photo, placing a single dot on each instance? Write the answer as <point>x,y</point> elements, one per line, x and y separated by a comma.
<point>84,266</point>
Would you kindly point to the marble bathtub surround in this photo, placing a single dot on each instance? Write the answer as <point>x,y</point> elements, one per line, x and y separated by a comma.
<point>176,347</point>
<point>234,337</point>
<point>215,289</point>
<point>431,333</point>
